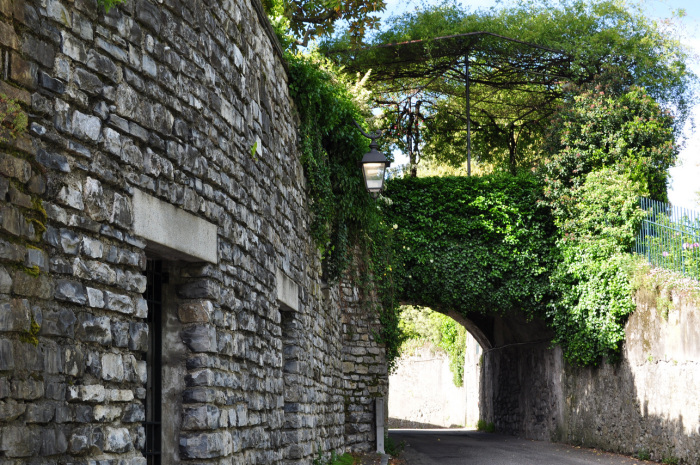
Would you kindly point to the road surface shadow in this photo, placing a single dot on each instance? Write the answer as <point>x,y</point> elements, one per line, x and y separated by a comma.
<point>471,447</point>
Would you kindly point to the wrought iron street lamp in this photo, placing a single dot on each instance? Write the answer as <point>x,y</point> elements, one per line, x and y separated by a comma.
<point>374,164</point>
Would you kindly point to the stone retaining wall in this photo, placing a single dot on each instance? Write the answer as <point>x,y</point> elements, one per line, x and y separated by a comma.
<point>422,393</point>
<point>648,402</point>
<point>151,106</point>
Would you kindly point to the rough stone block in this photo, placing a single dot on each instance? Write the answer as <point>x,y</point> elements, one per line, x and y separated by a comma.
<point>118,303</point>
<point>29,389</point>
<point>28,285</point>
<point>94,329</point>
<point>95,298</point>
<point>11,410</point>
<point>119,395</point>
<point>106,413</point>
<point>135,371</point>
<point>22,71</point>
<point>13,167</point>
<point>7,356</point>
<point>15,315</point>
<point>54,161</point>
<point>206,445</point>
<point>73,47</point>
<point>52,442</point>
<point>93,197</point>
<point>5,281</point>
<point>118,440</point>
<point>71,195</point>
<point>70,241</point>
<point>103,65</point>
<point>87,439</point>
<point>86,127</point>
<point>120,333</point>
<point>121,212</point>
<point>200,338</point>
<point>8,37</point>
<point>52,84</point>
<point>138,336</point>
<point>70,291</point>
<point>19,441</point>
<point>40,412</point>
<point>11,252</point>
<point>134,413</point>
<point>60,322</point>
<point>195,312</point>
<point>205,417</point>
<point>112,367</point>
<point>38,258</point>
<point>200,289</point>
<point>39,50</point>
<point>141,308</point>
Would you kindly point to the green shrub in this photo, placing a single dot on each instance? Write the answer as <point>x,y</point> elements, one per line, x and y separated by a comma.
<point>489,427</point>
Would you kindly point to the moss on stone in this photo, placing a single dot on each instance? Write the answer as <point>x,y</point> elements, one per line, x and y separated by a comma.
<point>30,335</point>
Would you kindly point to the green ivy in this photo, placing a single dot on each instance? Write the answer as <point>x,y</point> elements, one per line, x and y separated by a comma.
<point>593,276</point>
<point>347,225</point>
<point>109,4</point>
<point>473,244</point>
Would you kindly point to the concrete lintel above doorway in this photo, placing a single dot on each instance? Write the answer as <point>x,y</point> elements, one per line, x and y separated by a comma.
<point>287,292</point>
<point>172,231</point>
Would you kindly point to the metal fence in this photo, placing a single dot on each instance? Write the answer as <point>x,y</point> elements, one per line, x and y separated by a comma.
<point>669,237</point>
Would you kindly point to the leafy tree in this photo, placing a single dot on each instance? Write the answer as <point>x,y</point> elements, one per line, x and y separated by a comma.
<point>630,133</point>
<point>510,112</point>
<point>306,20</point>
<point>606,151</point>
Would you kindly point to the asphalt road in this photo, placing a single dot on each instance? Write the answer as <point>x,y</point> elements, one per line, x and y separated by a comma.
<point>469,447</point>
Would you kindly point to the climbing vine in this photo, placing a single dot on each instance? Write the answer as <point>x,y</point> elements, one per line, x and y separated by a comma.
<point>607,150</point>
<point>473,244</point>
<point>347,225</point>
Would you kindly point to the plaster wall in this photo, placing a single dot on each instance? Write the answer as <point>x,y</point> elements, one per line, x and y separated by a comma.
<point>648,401</point>
<point>422,393</point>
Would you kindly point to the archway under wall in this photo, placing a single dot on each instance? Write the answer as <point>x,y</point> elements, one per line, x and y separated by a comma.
<point>421,390</point>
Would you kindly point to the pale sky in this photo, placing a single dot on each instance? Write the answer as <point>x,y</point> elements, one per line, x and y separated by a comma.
<point>685,177</point>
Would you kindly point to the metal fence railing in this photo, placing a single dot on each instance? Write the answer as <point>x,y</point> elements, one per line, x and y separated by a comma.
<point>669,237</point>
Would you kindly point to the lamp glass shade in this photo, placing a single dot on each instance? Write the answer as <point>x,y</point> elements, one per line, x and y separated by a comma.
<point>374,175</point>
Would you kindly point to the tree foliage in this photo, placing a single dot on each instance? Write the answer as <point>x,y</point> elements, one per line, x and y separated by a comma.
<point>510,117</point>
<point>630,133</point>
<point>305,20</point>
<point>592,279</point>
<point>606,151</point>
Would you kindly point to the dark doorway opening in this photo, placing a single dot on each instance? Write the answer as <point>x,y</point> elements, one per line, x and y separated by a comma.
<point>155,277</point>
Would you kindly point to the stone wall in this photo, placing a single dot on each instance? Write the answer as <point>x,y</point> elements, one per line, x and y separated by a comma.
<point>647,402</point>
<point>365,377</point>
<point>164,131</point>
<point>422,392</point>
